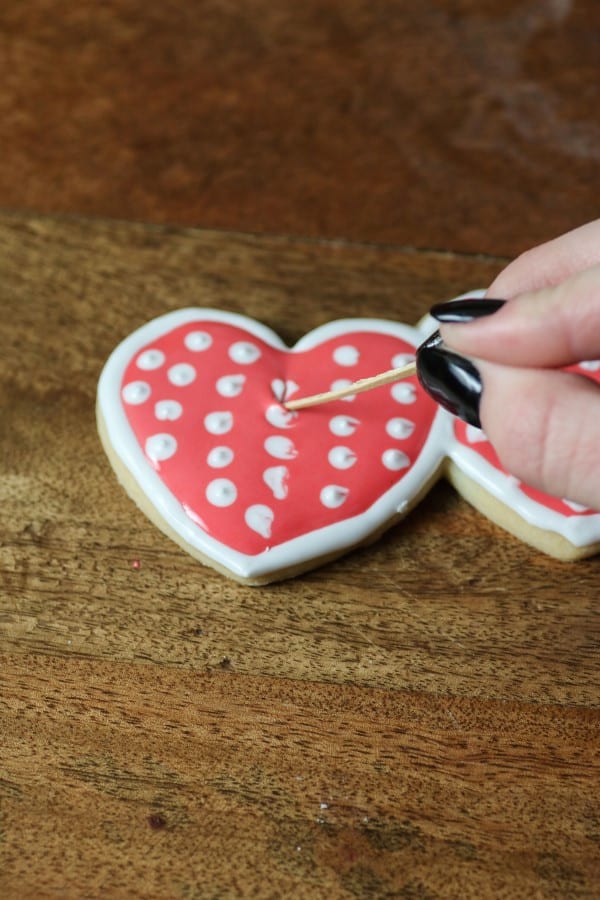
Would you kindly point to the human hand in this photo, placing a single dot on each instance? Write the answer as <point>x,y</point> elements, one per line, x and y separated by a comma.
<point>499,365</point>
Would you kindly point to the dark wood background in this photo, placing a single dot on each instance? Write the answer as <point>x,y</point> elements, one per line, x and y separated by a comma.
<point>418,720</point>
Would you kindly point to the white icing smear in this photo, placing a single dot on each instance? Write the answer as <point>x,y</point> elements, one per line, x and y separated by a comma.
<point>279,417</point>
<point>276,477</point>
<point>218,422</point>
<point>181,374</point>
<point>230,385</point>
<point>168,410</point>
<point>260,519</point>
<point>343,426</point>
<point>221,492</point>
<point>197,341</point>
<point>136,392</point>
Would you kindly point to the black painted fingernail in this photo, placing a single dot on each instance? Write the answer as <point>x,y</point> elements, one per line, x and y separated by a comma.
<point>452,380</point>
<point>457,311</point>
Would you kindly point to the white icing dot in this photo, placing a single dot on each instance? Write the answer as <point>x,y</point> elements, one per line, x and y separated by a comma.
<point>168,410</point>
<point>230,385</point>
<point>590,365</point>
<point>332,496</point>
<point>219,457</point>
<point>404,392</point>
<point>342,426</point>
<point>275,477</point>
<point>394,460</point>
<point>402,359</point>
<point>400,428</point>
<point>346,355</point>
<point>260,519</point>
<point>181,374</point>
<point>218,422</point>
<point>136,392</point>
<point>283,390</point>
<point>280,447</point>
<point>150,359</point>
<point>244,353</point>
<point>160,447</point>
<point>340,383</point>
<point>197,341</point>
<point>341,457</point>
<point>280,417</point>
<point>221,492</point>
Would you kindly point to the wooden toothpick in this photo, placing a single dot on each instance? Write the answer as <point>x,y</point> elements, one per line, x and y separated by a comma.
<point>364,384</point>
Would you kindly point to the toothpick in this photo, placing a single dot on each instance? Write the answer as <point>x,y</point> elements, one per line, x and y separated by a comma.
<point>364,384</point>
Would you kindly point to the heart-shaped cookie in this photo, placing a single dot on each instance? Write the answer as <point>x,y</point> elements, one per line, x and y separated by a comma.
<point>190,413</point>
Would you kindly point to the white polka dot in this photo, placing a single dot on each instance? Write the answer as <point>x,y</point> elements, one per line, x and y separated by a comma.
<point>283,390</point>
<point>275,477</point>
<point>343,426</point>
<point>244,353</point>
<point>590,365</point>
<point>404,392</point>
<point>340,383</point>
<point>150,359</point>
<point>168,410</point>
<point>260,519</point>
<point>219,457</point>
<point>197,341</point>
<point>221,492</point>
<point>346,355</point>
<point>279,417</point>
<point>333,495</point>
<point>280,447</point>
<point>218,422</point>
<point>160,447</point>
<point>181,374</point>
<point>400,429</point>
<point>136,392</point>
<point>230,385</point>
<point>402,359</point>
<point>394,460</point>
<point>341,457</point>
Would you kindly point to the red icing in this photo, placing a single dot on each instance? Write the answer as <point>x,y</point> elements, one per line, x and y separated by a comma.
<point>485,450</point>
<point>187,472</point>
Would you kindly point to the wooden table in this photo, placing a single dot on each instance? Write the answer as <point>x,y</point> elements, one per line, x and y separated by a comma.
<point>416,720</point>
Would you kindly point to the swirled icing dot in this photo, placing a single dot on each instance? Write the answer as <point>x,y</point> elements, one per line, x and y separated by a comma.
<point>402,359</point>
<point>219,457</point>
<point>275,477</point>
<point>181,374</point>
<point>168,410</point>
<point>347,355</point>
<point>283,390</point>
<point>341,457</point>
<point>280,417</point>
<point>244,352</point>
<point>400,429</point>
<point>218,422</point>
<point>221,492</point>
<point>280,447</point>
<point>150,359</point>
<point>340,383</point>
<point>343,426</point>
<point>404,392</point>
<point>333,496</point>
<point>160,447</point>
<point>395,460</point>
<point>136,392</point>
<point>230,385</point>
<point>260,519</point>
<point>197,341</point>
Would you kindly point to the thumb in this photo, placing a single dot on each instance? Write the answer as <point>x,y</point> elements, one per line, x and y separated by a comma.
<point>545,428</point>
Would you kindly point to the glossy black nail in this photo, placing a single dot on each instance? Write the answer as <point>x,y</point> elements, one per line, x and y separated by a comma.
<point>458,311</point>
<point>452,380</point>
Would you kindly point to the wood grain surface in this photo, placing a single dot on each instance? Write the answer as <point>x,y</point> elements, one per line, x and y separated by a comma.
<point>463,125</point>
<point>418,720</point>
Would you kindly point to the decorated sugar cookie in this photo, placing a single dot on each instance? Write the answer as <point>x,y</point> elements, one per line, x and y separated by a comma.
<point>192,415</point>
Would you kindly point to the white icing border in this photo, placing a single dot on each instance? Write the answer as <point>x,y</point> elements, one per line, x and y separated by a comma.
<point>325,541</point>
